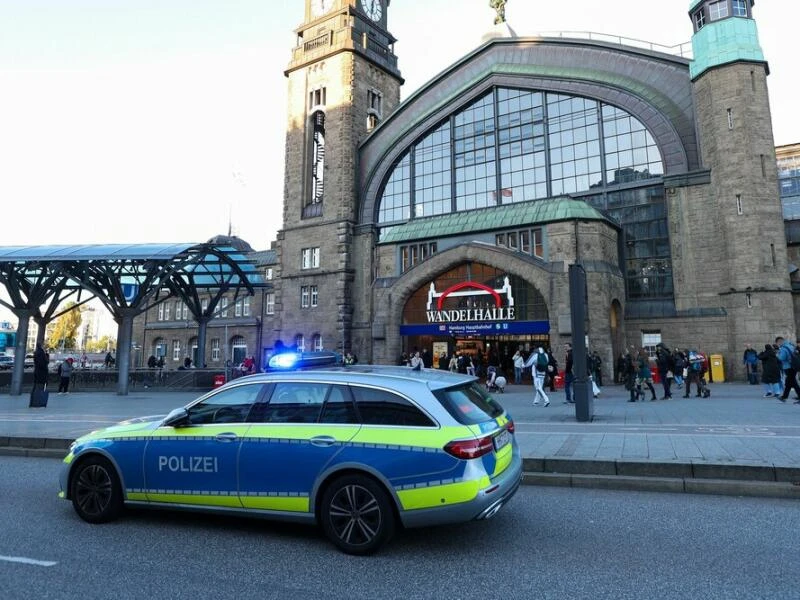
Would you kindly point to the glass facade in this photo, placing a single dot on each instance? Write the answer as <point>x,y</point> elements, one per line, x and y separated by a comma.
<point>789,181</point>
<point>515,145</point>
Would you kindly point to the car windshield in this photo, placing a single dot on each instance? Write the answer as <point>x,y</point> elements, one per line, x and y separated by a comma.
<point>469,404</point>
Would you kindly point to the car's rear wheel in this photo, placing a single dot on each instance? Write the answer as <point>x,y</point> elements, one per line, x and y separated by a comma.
<point>96,491</point>
<point>357,515</point>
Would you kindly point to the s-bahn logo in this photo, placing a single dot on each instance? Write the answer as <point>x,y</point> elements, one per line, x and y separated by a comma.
<point>474,312</point>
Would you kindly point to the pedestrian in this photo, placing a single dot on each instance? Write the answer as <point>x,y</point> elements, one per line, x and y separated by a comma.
<point>416,361</point>
<point>40,362</point>
<point>644,376</point>
<point>151,362</point>
<point>109,360</point>
<point>350,358</point>
<point>538,362</point>
<point>619,369</point>
<point>597,371</point>
<point>629,374</point>
<point>770,372</point>
<point>453,365</point>
<point>470,366</point>
<point>694,372</point>
<point>519,364</point>
<point>160,363</point>
<point>665,366</point>
<point>790,362</point>
<point>552,371</point>
<point>443,362</point>
<point>568,375</point>
<point>679,369</point>
<point>750,362</point>
<point>64,374</point>
<point>404,359</point>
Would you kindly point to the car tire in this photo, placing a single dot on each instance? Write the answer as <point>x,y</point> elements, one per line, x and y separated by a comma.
<point>357,514</point>
<point>96,491</point>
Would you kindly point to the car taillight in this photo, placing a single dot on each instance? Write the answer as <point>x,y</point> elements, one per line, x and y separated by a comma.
<point>468,449</point>
<point>510,426</point>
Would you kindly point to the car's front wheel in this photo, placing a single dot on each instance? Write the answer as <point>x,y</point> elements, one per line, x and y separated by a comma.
<point>357,515</point>
<point>96,491</point>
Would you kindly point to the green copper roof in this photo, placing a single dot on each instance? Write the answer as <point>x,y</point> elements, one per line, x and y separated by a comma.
<point>725,41</point>
<point>536,212</point>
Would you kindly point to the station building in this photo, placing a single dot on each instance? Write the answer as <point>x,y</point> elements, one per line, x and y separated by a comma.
<point>448,221</point>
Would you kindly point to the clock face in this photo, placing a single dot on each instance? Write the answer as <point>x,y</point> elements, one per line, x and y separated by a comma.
<point>373,9</point>
<point>320,7</point>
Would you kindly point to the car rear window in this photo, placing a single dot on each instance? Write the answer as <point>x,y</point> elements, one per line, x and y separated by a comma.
<point>469,404</point>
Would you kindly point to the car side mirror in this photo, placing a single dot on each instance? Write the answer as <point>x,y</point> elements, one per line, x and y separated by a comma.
<point>177,418</point>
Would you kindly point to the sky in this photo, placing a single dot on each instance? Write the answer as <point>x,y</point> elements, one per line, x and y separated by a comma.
<point>139,121</point>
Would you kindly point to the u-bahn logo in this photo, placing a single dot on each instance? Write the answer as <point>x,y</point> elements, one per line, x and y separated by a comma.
<point>487,312</point>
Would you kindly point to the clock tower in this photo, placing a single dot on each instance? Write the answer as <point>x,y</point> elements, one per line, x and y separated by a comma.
<point>343,81</point>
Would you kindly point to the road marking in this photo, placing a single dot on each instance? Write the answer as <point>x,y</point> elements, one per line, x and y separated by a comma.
<point>29,561</point>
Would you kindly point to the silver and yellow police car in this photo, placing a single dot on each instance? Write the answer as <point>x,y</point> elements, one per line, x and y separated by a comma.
<point>360,450</point>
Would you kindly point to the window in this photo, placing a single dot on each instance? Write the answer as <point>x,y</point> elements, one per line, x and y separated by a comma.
<point>316,343</point>
<point>224,308</point>
<point>271,303</point>
<point>730,118</point>
<point>338,407</point>
<point>718,10</point>
<point>380,407</point>
<point>739,8</point>
<point>231,405</point>
<point>739,208</point>
<point>749,300</point>
<point>238,349</point>
<point>178,309</point>
<point>372,122</point>
<point>521,241</point>
<point>185,311</point>
<point>204,305</point>
<point>310,258</point>
<point>374,100</point>
<point>317,97</point>
<point>176,349</point>
<point>166,311</point>
<point>415,254</point>
<point>268,274</point>
<point>314,295</point>
<point>317,158</point>
<point>246,306</point>
<point>295,402</point>
<point>699,19</point>
<point>650,339</point>
<point>215,349</point>
<point>300,342</point>
<point>161,312</point>
<point>305,296</point>
<point>237,309</point>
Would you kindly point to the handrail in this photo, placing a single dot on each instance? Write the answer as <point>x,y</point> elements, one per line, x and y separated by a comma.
<point>684,50</point>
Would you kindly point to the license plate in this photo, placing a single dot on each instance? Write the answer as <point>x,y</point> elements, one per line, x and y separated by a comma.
<point>502,439</point>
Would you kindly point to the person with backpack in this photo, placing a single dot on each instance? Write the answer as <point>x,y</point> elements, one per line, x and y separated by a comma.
<point>665,365</point>
<point>538,362</point>
<point>790,364</point>
<point>694,372</point>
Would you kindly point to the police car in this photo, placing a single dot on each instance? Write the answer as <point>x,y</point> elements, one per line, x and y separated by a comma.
<point>360,450</point>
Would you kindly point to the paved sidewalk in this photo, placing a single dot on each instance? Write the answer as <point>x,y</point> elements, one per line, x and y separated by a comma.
<point>736,441</point>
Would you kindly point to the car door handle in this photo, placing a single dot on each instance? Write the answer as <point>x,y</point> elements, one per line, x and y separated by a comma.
<point>323,441</point>
<point>227,437</point>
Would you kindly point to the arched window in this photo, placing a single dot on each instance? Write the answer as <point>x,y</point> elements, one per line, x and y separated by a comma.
<point>316,342</point>
<point>160,347</point>
<point>238,349</point>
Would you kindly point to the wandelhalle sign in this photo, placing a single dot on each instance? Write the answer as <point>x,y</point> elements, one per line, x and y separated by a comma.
<point>499,319</point>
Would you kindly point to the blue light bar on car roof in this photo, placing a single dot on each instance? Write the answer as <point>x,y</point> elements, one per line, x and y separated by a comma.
<point>287,361</point>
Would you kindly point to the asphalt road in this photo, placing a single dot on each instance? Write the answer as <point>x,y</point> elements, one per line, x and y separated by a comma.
<point>547,543</point>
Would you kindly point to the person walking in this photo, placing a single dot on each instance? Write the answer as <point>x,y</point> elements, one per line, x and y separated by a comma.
<point>537,362</point>
<point>453,366</point>
<point>628,374</point>
<point>416,362</point>
<point>597,370</point>
<point>750,362</point>
<point>569,377</point>
<point>40,362</point>
<point>552,371</point>
<point>694,372</point>
<point>665,366</point>
<point>64,374</point>
<point>770,372</point>
<point>643,375</point>
<point>519,364</point>
<point>679,366</point>
<point>619,369</point>
<point>790,362</point>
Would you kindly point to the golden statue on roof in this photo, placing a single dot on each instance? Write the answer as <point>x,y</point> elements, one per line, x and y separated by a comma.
<point>500,7</point>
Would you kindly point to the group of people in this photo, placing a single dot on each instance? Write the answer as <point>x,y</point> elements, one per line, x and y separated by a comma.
<point>780,364</point>
<point>679,366</point>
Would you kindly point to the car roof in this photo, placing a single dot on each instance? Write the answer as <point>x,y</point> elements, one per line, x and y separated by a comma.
<point>370,374</point>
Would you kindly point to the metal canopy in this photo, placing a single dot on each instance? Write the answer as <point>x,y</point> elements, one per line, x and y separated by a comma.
<point>127,279</point>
